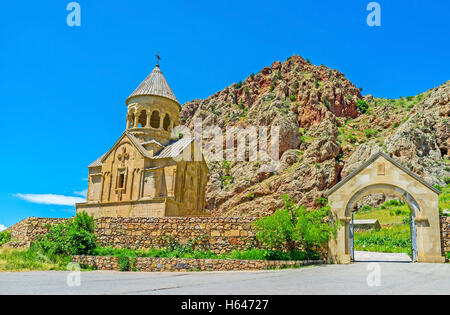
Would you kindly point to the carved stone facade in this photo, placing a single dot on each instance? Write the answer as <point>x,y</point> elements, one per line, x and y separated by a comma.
<point>149,172</point>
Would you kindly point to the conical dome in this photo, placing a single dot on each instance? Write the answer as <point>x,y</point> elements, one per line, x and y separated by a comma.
<point>154,84</point>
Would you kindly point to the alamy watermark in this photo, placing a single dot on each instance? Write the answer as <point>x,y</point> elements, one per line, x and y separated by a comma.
<point>74,277</point>
<point>374,17</point>
<point>259,144</point>
<point>374,277</point>
<point>74,17</point>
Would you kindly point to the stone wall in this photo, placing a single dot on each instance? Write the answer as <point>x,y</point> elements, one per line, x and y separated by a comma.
<point>445,234</point>
<point>145,264</point>
<point>29,229</point>
<point>218,235</point>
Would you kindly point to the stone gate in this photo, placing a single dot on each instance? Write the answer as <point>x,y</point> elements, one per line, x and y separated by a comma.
<point>382,174</point>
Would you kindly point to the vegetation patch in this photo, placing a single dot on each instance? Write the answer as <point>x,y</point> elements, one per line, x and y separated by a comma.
<point>393,237</point>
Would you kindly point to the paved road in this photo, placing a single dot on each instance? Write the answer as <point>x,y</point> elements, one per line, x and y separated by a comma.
<point>378,257</point>
<point>396,278</point>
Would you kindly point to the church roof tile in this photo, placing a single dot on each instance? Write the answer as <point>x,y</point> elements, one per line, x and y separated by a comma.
<point>155,84</point>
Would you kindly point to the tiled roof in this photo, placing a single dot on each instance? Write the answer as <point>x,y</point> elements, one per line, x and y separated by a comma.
<point>155,84</point>
<point>97,162</point>
<point>174,149</point>
<point>152,141</point>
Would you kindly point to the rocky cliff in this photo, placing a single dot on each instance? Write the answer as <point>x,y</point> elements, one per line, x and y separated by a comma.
<point>327,128</point>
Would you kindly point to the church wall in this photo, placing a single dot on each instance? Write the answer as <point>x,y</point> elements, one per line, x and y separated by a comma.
<point>141,208</point>
<point>124,161</point>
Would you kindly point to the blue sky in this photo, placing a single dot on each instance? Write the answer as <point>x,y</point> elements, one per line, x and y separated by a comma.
<point>63,89</point>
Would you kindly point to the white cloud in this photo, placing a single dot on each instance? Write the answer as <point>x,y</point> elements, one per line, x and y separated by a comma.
<point>51,199</point>
<point>2,227</point>
<point>81,193</point>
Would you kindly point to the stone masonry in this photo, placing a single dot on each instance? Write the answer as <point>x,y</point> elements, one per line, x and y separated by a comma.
<point>445,234</point>
<point>218,235</point>
<point>145,264</point>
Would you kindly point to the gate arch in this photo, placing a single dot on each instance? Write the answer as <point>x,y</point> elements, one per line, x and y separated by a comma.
<point>382,174</point>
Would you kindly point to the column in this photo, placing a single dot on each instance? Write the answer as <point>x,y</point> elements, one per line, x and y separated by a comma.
<point>136,117</point>
<point>148,119</point>
<point>161,120</point>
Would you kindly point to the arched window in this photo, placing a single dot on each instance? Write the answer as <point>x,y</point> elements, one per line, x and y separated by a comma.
<point>142,121</point>
<point>155,120</point>
<point>166,122</point>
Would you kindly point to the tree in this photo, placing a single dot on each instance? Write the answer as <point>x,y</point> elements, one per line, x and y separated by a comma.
<point>75,237</point>
<point>295,226</point>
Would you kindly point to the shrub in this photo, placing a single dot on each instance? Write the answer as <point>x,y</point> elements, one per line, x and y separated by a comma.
<point>238,85</point>
<point>126,263</point>
<point>366,208</point>
<point>295,225</point>
<point>5,237</point>
<point>293,97</point>
<point>75,237</point>
<point>362,105</point>
<point>370,132</point>
<point>272,86</point>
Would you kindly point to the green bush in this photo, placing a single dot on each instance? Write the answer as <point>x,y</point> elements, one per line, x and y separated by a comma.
<point>370,132</point>
<point>394,202</point>
<point>362,105</point>
<point>5,237</point>
<point>366,208</point>
<point>295,226</point>
<point>126,263</point>
<point>75,237</point>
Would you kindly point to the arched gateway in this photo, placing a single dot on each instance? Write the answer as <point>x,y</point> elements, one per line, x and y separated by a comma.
<point>381,174</point>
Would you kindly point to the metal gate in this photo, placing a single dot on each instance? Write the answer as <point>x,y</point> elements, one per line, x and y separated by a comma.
<point>352,247</point>
<point>413,238</point>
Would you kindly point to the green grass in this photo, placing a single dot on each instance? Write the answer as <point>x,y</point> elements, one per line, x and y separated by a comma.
<point>444,198</point>
<point>250,254</point>
<point>387,240</point>
<point>30,260</point>
<point>393,237</point>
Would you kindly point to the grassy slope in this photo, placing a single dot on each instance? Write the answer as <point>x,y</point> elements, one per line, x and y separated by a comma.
<point>394,235</point>
<point>29,260</point>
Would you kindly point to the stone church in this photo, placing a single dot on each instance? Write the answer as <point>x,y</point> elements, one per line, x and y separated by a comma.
<point>149,172</point>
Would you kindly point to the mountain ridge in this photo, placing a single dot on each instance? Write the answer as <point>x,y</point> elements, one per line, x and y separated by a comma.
<point>327,129</point>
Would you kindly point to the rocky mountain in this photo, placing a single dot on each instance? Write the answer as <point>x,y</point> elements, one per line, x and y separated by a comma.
<point>327,129</point>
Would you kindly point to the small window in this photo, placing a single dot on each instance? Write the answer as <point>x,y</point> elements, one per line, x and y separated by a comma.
<point>142,121</point>
<point>121,181</point>
<point>155,120</point>
<point>166,123</point>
